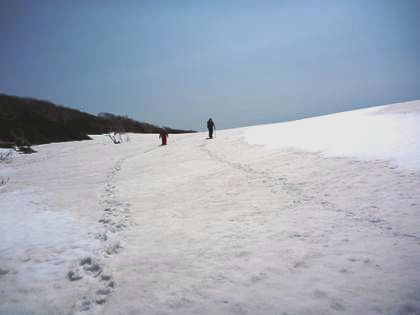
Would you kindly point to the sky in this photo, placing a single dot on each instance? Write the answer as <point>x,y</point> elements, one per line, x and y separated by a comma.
<point>177,63</point>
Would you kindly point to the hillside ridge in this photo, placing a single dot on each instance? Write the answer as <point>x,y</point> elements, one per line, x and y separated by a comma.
<point>41,122</point>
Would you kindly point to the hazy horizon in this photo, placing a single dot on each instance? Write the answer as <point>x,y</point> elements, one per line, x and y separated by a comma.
<point>240,62</point>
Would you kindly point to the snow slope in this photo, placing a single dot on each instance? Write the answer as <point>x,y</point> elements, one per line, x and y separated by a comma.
<point>390,132</point>
<point>217,226</point>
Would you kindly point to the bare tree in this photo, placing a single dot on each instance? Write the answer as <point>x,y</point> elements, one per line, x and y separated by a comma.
<point>21,142</point>
<point>115,137</point>
<point>118,132</point>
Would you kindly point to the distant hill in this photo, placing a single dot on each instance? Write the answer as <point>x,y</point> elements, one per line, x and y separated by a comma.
<point>44,122</point>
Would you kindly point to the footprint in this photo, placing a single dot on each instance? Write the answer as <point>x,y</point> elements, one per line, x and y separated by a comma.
<point>91,266</point>
<point>113,249</point>
<point>74,275</point>
<point>83,305</point>
<point>105,277</point>
<point>102,236</point>
<point>103,291</point>
<point>100,300</point>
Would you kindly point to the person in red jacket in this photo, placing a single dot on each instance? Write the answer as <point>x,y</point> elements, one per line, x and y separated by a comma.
<point>164,136</point>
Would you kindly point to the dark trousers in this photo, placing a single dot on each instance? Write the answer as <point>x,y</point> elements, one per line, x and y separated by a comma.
<point>211,133</point>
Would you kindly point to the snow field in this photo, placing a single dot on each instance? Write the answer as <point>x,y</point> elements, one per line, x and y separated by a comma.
<point>216,226</point>
<point>389,132</point>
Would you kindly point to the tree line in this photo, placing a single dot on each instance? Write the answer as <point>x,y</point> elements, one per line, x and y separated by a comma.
<point>38,122</point>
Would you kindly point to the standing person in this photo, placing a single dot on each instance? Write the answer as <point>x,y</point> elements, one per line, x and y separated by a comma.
<point>164,136</point>
<point>210,127</point>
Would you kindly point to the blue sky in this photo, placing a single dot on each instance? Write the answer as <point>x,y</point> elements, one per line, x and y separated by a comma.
<point>178,63</point>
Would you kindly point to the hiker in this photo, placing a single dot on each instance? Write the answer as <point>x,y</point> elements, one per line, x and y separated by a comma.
<point>211,127</point>
<point>164,136</point>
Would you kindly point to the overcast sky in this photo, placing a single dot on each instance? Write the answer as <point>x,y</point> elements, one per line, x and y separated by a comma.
<point>178,63</point>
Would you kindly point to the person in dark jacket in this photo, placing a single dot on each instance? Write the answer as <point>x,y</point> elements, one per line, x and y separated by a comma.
<point>164,136</point>
<point>211,127</point>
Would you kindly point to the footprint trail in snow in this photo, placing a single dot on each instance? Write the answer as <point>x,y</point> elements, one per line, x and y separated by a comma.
<point>114,220</point>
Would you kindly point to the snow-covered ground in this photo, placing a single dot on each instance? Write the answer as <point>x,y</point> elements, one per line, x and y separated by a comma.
<point>389,132</point>
<point>318,216</point>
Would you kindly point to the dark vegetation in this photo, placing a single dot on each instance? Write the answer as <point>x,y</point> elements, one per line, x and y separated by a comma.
<point>27,121</point>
